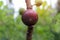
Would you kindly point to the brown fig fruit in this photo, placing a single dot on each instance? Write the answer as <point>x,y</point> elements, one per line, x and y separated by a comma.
<point>29,17</point>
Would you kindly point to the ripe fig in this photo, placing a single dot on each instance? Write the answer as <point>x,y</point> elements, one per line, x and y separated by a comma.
<point>29,17</point>
<point>21,11</point>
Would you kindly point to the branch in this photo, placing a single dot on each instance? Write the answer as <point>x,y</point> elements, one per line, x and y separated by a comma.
<point>29,33</point>
<point>30,28</point>
<point>28,4</point>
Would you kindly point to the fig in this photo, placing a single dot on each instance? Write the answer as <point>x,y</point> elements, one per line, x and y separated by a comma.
<point>38,3</point>
<point>29,17</point>
<point>21,11</point>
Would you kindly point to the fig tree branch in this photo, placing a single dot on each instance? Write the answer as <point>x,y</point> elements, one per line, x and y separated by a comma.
<point>28,4</point>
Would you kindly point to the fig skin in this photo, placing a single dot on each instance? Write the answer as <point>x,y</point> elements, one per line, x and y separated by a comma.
<point>29,17</point>
<point>21,11</point>
<point>38,3</point>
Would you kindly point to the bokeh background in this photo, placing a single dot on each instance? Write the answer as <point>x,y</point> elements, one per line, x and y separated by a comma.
<point>47,27</point>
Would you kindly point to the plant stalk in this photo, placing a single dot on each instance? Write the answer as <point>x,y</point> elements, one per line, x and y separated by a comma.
<point>29,33</point>
<point>28,4</point>
<point>30,28</point>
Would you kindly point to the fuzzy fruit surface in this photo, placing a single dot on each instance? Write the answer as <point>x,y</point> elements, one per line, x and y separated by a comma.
<point>29,17</point>
<point>21,11</point>
<point>38,3</point>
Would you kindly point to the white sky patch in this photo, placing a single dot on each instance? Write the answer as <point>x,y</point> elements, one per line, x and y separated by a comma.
<point>21,3</point>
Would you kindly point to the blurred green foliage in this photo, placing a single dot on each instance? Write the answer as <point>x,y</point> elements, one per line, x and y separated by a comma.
<point>47,27</point>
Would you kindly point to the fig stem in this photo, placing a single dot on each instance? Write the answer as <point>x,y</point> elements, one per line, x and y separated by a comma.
<point>28,4</point>
<point>29,33</point>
